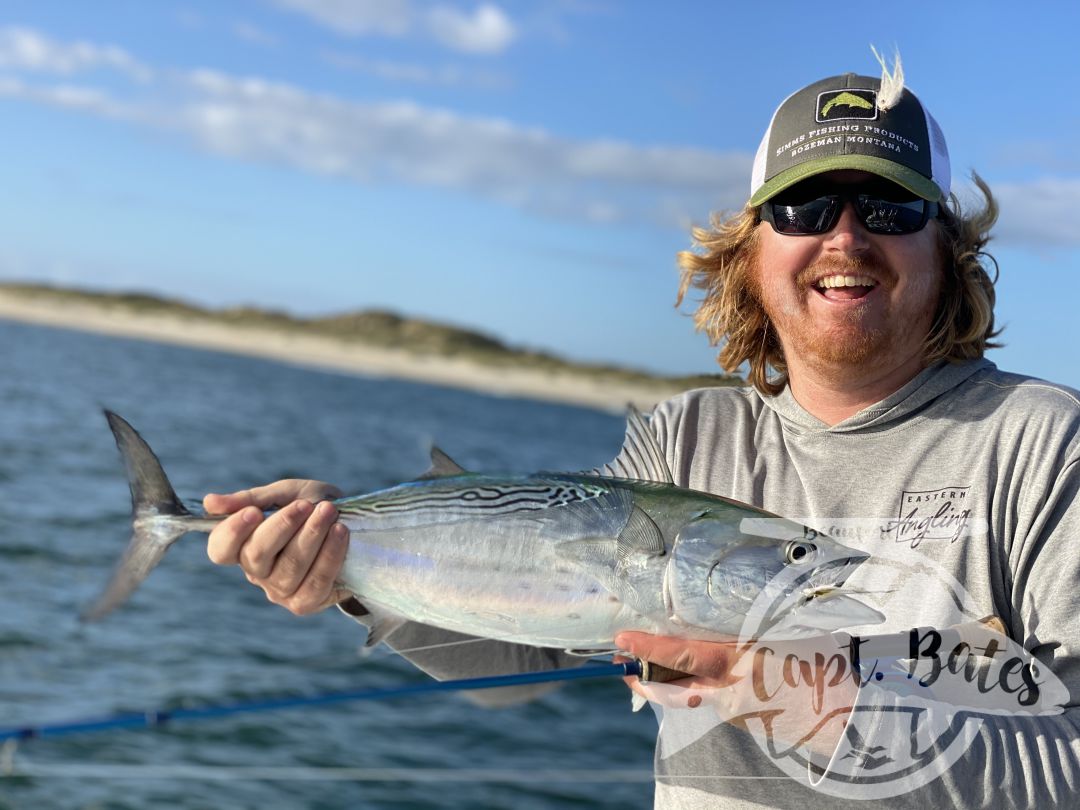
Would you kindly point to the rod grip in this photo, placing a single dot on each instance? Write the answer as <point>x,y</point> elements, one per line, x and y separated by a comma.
<point>658,673</point>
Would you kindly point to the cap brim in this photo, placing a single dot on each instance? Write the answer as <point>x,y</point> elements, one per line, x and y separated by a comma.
<point>901,175</point>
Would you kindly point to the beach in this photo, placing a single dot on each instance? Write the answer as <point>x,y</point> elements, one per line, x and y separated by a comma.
<point>349,357</point>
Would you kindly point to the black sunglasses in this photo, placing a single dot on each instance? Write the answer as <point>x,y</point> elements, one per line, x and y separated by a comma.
<point>813,207</point>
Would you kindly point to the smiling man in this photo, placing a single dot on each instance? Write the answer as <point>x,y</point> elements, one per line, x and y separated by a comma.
<point>856,291</point>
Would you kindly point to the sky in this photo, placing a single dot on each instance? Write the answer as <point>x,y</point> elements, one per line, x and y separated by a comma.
<point>527,169</point>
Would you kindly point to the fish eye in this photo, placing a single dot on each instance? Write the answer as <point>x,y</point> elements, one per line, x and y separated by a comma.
<point>797,552</point>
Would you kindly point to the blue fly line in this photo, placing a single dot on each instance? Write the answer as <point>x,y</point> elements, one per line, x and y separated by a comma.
<point>154,719</point>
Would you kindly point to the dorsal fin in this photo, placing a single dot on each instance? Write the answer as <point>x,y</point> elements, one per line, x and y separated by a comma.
<point>640,457</point>
<point>441,466</point>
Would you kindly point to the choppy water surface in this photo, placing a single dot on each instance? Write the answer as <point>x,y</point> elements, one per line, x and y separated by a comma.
<point>197,633</point>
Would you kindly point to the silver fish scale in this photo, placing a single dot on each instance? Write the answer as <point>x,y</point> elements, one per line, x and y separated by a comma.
<point>437,501</point>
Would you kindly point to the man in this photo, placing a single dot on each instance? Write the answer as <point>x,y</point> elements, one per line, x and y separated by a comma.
<point>854,288</point>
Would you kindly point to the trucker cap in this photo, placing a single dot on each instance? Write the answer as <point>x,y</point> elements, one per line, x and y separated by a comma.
<point>840,123</point>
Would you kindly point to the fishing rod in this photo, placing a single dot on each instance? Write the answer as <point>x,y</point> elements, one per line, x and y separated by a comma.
<point>154,719</point>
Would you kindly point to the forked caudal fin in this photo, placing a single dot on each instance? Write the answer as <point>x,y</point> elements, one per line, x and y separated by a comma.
<point>157,516</point>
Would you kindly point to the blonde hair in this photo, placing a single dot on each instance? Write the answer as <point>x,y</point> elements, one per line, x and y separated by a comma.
<point>722,266</point>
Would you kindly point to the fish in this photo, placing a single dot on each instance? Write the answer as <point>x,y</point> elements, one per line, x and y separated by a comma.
<point>562,560</point>
<point>846,100</point>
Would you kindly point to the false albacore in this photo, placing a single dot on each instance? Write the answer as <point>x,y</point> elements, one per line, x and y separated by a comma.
<point>552,559</point>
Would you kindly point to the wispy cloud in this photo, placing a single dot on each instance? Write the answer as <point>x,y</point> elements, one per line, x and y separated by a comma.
<point>253,34</point>
<point>605,181</point>
<point>413,73</point>
<point>1031,213</point>
<point>486,30</point>
<point>393,18</point>
<point>602,181</point>
<point>25,49</point>
<point>73,97</point>
<point>250,119</point>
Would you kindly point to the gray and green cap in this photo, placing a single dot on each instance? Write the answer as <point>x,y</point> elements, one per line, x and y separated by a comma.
<point>837,123</point>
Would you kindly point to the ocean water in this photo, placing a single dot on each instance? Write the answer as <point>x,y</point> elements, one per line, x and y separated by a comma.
<point>198,634</point>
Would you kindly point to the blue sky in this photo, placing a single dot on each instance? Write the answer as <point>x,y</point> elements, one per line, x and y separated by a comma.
<point>526,168</point>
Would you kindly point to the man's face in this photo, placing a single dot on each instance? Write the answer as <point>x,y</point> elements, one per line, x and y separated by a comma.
<point>848,299</point>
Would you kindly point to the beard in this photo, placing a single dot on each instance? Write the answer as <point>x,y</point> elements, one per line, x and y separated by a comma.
<point>850,340</point>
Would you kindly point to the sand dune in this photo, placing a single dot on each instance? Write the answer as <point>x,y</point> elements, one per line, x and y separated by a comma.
<point>318,351</point>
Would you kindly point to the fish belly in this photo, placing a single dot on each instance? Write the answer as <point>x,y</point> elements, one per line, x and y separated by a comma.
<point>507,583</point>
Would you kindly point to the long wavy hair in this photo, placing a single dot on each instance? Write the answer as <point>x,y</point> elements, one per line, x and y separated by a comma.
<point>722,266</point>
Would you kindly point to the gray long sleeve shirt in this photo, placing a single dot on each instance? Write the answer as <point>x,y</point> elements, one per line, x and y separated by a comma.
<point>963,484</point>
<point>966,472</point>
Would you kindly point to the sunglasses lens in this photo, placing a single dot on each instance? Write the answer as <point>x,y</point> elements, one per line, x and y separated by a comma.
<point>815,216</point>
<point>890,217</point>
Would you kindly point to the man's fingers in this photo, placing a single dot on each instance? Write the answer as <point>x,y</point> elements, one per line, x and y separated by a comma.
<point>295,554</point>
<point>278,493</point>
<point>295,561</point>
<point>259,554</point>
<point>229,537</point>
<point>706,659</point>
<point>225,504</point>
<point>318,589</point>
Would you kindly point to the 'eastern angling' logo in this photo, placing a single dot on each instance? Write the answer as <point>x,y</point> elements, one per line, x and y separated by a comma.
<point>837,104</point>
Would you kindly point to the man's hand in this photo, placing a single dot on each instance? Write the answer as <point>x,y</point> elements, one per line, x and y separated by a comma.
<point>295,554</point>
<point>709,663</point>
<point>796,692</point>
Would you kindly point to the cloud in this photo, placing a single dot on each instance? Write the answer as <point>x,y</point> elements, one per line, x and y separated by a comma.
<point>413,73</point>
<point>250,119</point>
<point>487,30</point>
<point>73,97</point>
<point>1031,213</point>
<point>253,34</point>
<point>600,180</point>
<point>24,49</point>
<point>392,18</point>
<point>603,181</point>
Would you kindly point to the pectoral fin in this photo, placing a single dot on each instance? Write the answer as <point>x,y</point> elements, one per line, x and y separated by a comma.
<point>380,622</point>
<point>640,538</point>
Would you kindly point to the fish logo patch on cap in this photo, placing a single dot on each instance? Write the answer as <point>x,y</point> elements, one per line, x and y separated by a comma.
<point>838,104</point>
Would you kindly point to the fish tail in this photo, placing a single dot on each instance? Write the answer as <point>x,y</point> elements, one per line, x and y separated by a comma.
<point>158,518</point>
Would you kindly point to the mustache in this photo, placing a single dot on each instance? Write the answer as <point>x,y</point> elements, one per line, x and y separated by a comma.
<point>844,265</point>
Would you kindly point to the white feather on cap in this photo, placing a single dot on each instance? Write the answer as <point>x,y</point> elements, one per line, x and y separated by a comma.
<point>892,82</point>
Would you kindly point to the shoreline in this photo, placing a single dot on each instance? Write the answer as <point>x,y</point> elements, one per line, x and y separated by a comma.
<point>327,353</point>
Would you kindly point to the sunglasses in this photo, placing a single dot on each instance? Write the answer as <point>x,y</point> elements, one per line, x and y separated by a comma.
<point>813,207</point>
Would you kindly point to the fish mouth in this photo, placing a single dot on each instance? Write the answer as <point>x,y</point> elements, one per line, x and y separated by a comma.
<point>824,606</point>
<point>834,573</point>
<point>815,603</point>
